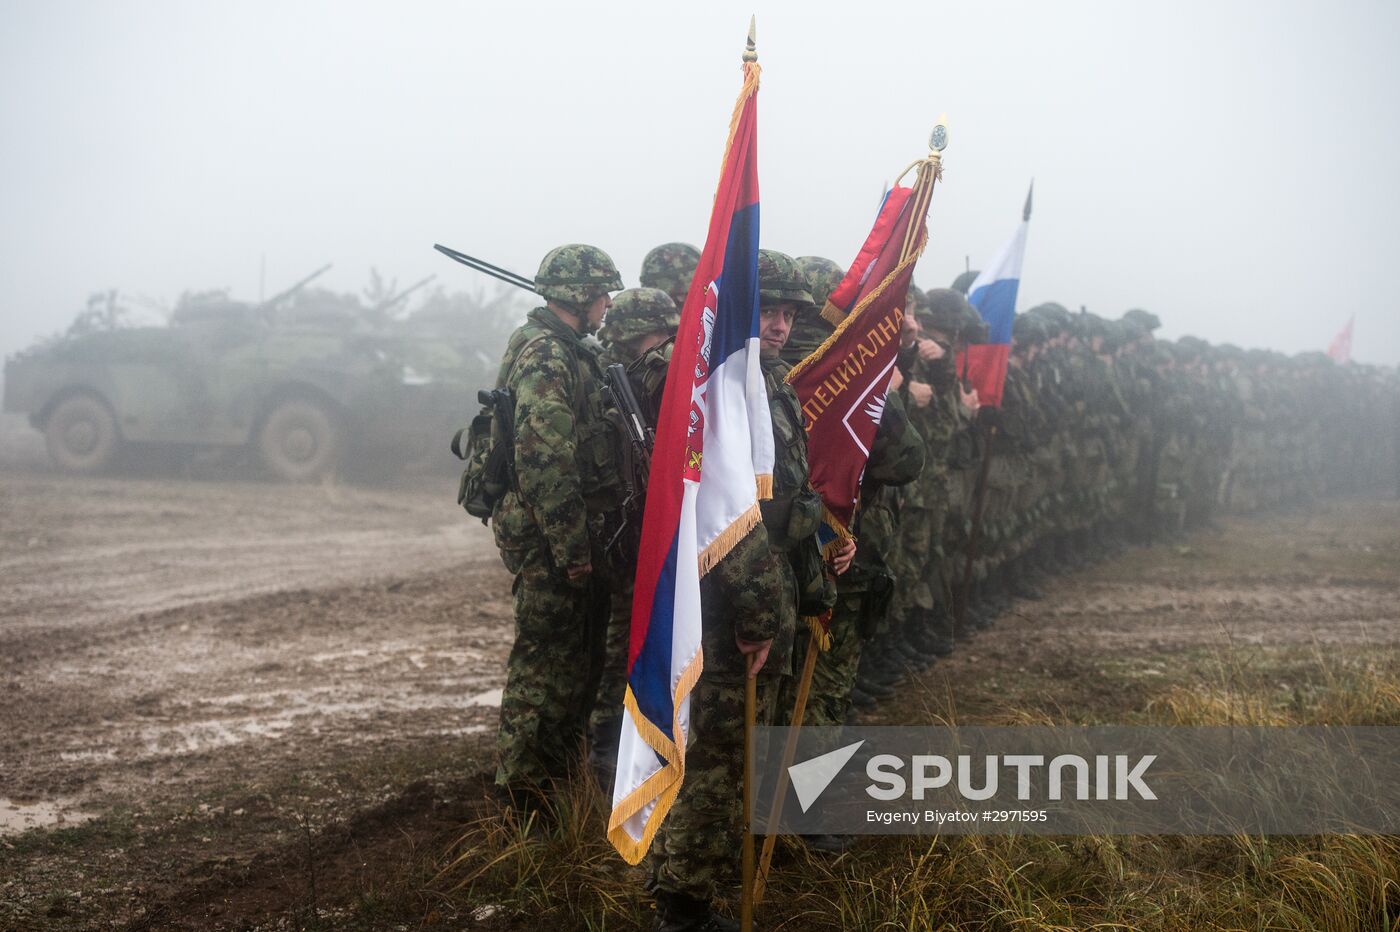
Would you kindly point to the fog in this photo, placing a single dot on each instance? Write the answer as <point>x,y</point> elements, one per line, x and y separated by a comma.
<point>1226,166</point>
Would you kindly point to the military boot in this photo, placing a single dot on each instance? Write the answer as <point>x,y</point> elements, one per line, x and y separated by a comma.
<point>1067,554</point>
<point>1018,580</point>
<point>870,678</point>
<point>676,912</point>
<point>602,754</point>
<point>980,610</point>
<point>860,699</point>
<point>939,631</point>
<point>881,667</point>
<point>999,589</point>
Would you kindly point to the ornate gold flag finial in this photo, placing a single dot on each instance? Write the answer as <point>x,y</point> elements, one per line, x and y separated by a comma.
<point>751,48</point>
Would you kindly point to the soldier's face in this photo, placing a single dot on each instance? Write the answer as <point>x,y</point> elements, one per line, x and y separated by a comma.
<point>774,325</point>
<point>595,312</point>
<point>649,341</point>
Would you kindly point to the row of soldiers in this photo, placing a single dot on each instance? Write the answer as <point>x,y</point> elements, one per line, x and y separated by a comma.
<point>1104,436</point>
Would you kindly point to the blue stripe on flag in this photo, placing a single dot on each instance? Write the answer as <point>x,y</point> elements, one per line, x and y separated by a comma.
<point>997,305</point>
<point>736,319</point>
<point>650,678</point>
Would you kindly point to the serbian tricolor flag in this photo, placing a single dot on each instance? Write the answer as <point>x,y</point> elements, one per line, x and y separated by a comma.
<point>711,462</point>
<point>994,295</point>
<point>1340,350</point>
<point>842,384</point>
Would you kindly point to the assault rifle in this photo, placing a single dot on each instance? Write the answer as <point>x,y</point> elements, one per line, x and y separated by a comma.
<point>637,458</point>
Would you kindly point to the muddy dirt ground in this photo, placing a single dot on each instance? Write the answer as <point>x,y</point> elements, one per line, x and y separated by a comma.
<point>243,705</point>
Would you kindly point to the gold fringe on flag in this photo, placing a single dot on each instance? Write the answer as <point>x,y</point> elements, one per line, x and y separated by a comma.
<point>729,538</point>
<point>832,314</point>
<point>819,632</point>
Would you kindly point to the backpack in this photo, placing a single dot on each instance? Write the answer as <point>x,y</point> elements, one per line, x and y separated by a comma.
<point>490,469</point>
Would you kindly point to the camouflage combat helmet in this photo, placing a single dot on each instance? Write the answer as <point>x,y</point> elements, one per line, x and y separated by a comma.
<point>1054,316</point>
<point>973,328</point>
<point>946,310</point>
<point>963,282</point>
<point>1114,334</point>
<point>1190,347</point>
<point>1088,325</point>
<point>823,276</point>
<point>574,275</point>
<point>809,328</point>
<point>670,267</point>
<point>1028,330</point>
<point>780,279</point>
<point>1141,319</point>
<point>637,312</point>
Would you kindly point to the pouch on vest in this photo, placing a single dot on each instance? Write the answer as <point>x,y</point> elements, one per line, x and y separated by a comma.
<point>875,602</point>
<point>489,472</point>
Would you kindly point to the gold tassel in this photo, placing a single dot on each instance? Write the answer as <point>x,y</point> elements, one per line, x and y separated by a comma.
<point>765,486</point>
<point>819,632</point>
<point>729,538</point>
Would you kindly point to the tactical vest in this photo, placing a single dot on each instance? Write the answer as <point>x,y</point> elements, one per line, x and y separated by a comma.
<point>596,440</point>
<point>794,512</point>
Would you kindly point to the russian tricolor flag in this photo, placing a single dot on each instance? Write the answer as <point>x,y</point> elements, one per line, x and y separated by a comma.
<point>711,462</point>
<point>993,294</point>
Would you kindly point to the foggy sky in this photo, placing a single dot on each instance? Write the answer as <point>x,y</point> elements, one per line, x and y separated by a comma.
<point>1224,165</point>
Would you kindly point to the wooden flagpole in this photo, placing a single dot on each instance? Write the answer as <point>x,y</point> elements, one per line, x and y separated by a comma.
<point>750,695</point>
<point>930,170</point>
<point>746,873</point>
<point>775,812</point>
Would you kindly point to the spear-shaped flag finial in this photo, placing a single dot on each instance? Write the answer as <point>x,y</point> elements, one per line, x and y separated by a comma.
<point>751,47</point>
<point>1026,214</point>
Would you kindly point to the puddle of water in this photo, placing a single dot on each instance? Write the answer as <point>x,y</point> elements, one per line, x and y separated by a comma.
<point>17,816</point>
<point>492,697</point>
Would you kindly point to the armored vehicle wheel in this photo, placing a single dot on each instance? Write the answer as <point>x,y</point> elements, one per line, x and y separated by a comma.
<point>300,440</point>
<point>81,435</point>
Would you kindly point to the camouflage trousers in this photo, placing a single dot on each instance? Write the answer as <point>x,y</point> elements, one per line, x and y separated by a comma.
<point>551,675</point>
<point>914,560</point>
<point>606,716</point>
<point>696,851</point>
<point>829,699</point>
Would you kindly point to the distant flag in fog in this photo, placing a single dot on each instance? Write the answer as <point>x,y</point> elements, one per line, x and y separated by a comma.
<point>1340,350</point>
<point>993,294</point>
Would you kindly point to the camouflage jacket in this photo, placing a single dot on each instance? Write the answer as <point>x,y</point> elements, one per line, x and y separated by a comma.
<point>896,459</point>
<point>564,446</point>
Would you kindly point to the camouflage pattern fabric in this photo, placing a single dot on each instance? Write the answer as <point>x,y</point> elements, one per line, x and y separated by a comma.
<point>576,274</point>
<point>696,851</point>
<point>670,267</point>
<point>564,459</point>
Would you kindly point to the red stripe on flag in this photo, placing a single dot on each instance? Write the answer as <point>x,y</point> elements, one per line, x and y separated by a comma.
<point>985,368</point>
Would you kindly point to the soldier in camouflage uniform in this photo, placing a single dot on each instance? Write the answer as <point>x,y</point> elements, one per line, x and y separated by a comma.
<point>749,606</point>
<point>865,590</point>
<point>636,335</point>
<point>670,267</point>
<point>548,526</point>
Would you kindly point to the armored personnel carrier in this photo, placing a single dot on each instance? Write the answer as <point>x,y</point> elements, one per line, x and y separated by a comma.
<point>308,386</point>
